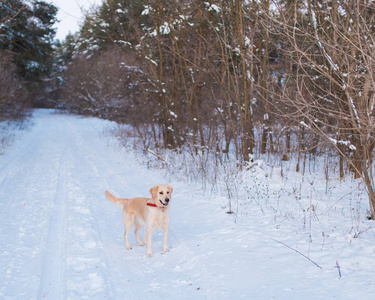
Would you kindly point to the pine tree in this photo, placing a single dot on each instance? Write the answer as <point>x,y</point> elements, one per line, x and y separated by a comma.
<point>26,32</point>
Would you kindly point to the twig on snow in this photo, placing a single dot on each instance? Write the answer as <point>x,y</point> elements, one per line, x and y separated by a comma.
<point>338,268</point>
<point>157,156</point>
<point>297,252</point>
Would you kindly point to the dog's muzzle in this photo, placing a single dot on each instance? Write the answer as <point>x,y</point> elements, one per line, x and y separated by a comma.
<point>166,202</point>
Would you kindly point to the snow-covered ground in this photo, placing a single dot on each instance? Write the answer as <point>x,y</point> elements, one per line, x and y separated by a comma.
<point>61,239</point>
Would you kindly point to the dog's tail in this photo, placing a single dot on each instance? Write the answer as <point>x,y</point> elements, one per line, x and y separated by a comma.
<point>116,201</point>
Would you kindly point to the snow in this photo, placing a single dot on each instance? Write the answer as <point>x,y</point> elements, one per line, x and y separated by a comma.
<point>214,7</point>
<point>355,112</point>
<point>146,11</point>
<point>61,239</point>
<point>164,29</point>
<point>346,143</point>
<point>151,60</point>
<point>171,112</point>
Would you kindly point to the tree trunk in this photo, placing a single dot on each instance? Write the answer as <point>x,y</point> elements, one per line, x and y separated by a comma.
<point>264,91</point>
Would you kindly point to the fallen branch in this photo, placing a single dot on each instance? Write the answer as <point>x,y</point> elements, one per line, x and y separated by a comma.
<point>297,252</point>
<point>338,268</point>
<point>159,157</point>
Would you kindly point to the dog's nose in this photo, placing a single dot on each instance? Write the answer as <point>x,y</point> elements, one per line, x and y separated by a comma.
<point>167,200</point>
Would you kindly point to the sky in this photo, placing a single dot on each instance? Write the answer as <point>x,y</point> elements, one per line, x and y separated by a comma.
<point>70,14</point>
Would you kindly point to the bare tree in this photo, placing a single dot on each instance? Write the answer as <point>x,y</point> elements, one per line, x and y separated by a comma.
<point>105,85</point>
<point>333,74</point>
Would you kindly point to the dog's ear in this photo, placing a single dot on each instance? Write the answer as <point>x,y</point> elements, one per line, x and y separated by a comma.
<point>153,191</point>
<point>170,188</point>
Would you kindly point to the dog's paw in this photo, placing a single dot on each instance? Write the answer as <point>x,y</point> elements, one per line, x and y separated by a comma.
<point>129,247</point>
<point>166,250</point>
<point>141,244</point>
<point>149,255</point>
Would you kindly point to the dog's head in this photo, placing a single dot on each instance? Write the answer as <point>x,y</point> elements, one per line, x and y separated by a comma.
<point>161,194</point>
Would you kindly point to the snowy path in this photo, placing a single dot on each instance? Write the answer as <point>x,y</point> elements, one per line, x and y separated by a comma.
<point>61,239</point>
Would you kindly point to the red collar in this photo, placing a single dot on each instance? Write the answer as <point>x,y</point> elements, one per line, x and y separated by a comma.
<point>152,204</point>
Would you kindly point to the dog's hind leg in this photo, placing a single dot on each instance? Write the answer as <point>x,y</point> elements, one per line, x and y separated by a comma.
<point>128,224</point>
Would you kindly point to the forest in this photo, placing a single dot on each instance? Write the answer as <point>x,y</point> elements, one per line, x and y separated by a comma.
<point>213,80</point>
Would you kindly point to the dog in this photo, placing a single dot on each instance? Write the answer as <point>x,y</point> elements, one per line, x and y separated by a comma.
<point>150,212</point>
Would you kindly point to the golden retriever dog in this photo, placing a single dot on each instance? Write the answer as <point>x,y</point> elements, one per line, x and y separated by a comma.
<point>150,212</point>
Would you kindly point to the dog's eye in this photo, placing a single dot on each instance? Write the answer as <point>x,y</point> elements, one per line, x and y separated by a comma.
<point>167,192</point>
<point>161,193</point>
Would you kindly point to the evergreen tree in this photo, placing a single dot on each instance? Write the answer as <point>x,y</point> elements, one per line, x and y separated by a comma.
<point>26,32</point>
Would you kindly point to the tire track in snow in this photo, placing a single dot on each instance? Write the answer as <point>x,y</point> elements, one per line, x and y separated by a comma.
<point>88,274</point>
<point>53,284</point>
<point>24,212</point>
<point>74,264</point>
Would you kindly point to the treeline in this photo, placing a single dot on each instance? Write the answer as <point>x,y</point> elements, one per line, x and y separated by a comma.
<point>251,76</point>
<point>26,56</point>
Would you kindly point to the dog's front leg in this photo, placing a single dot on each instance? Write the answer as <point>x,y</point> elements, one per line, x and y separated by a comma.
<point>148,239</point>
<point>165,238</point>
